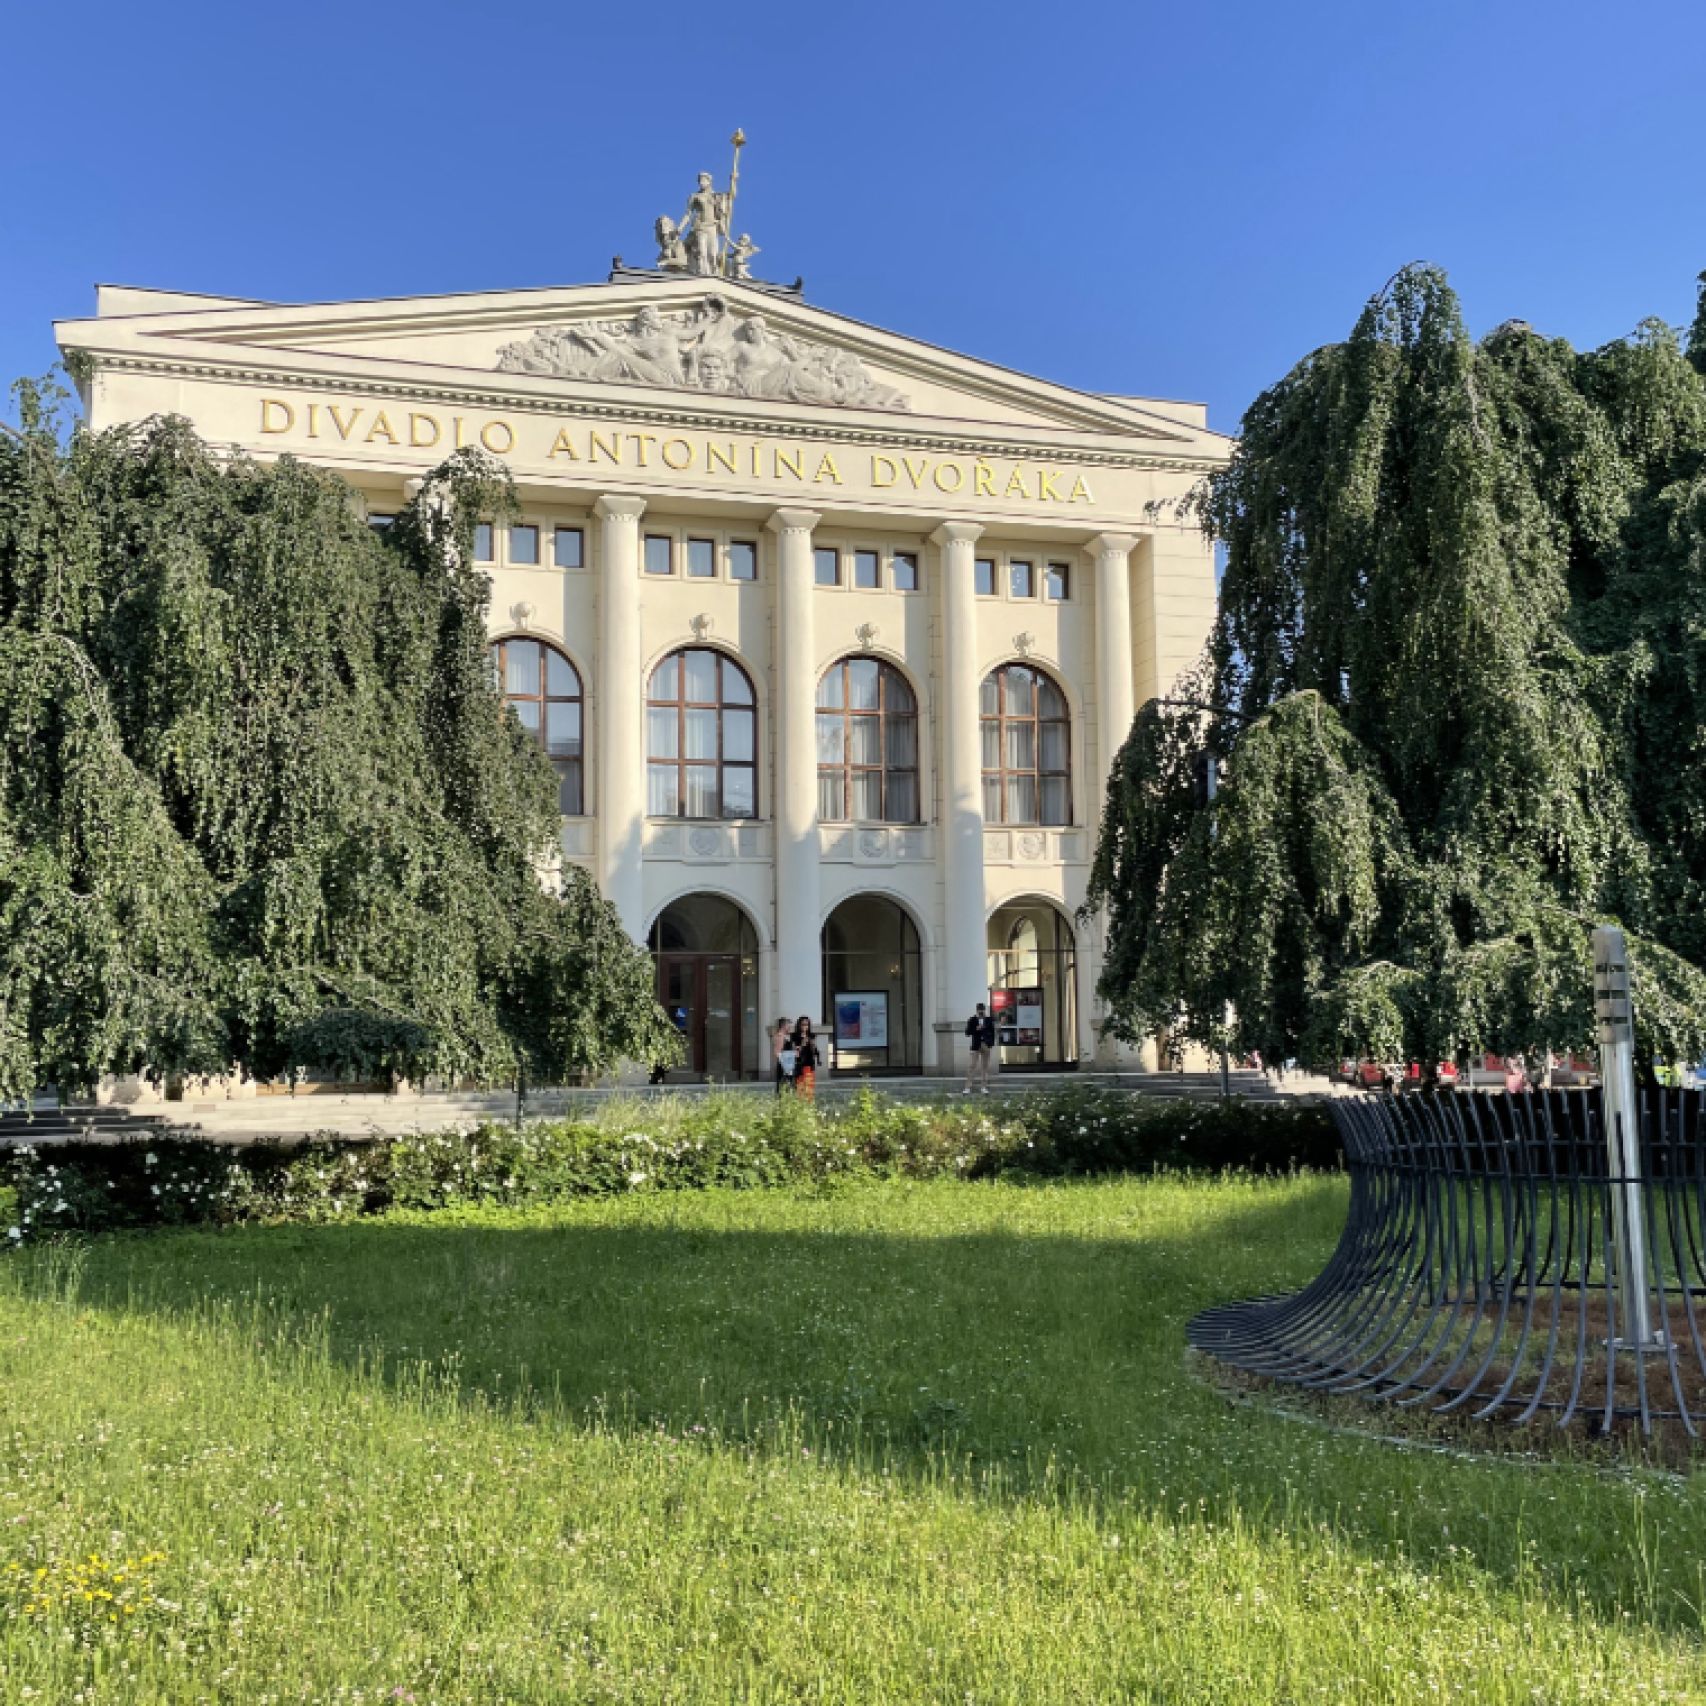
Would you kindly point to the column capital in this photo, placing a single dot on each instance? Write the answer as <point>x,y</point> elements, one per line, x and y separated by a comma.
<point>957,533</point>
<point>1113,544</point>
<point>794,520</point>
<point>610,507</point>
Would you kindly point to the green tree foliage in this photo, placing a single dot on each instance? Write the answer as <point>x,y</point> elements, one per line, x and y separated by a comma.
<point>260,804</point>
<point>1456,696</point>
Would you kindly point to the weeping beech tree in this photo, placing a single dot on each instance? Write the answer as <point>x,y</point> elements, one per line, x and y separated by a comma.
<point>1456,698</point>
<point>261,806</point>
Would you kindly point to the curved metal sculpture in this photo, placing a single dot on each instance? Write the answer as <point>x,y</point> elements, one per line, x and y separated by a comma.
<point>1483,1268</point>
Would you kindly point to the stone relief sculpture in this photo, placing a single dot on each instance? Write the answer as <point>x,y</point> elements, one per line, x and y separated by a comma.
<point>703,348</point>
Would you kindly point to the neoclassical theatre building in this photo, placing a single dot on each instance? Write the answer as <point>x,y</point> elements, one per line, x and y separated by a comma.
<point>830,634</point>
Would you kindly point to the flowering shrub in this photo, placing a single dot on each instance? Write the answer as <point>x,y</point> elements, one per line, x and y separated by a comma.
<point>671,1144</point>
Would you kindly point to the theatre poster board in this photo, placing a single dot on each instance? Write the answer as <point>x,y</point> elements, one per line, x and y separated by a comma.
<point>862,1019</point>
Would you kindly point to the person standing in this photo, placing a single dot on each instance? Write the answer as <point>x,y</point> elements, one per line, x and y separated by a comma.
<point>980,1032</point>
<point>805,1059</point>
<point>782,1052</point>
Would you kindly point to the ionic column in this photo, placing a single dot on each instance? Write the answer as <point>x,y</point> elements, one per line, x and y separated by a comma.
<point>965,944</point>
<point>1112,552</point>
<point>621,713</point>
<point>799,889</point>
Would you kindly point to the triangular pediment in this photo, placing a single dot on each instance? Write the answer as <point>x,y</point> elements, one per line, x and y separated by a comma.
<point>739,347</point>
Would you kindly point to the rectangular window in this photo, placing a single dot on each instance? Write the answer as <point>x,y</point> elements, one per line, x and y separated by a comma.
<point>524,547</point>
<point>380,522</point>
<point>1020,579</point>
<point>1057,582</point>
<point>568,547</point>
<point>827,565</point>
<point>701,559</point>
<point>483,542</point>
<point>743,560</point>
<point>983,577</point>
<point>906,571</point>
<point>660,554</point>
<point>865,571</point>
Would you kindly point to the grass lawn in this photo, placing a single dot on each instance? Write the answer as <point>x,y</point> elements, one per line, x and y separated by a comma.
<point>895,1442</point>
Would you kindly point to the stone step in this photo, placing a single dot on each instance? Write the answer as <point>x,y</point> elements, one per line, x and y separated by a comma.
<point>259,1118</point>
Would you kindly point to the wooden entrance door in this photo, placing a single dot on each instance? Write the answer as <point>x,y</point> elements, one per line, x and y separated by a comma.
<point>702,994</point>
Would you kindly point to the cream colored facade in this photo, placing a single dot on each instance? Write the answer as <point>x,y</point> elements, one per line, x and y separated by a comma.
<point>809,432</point>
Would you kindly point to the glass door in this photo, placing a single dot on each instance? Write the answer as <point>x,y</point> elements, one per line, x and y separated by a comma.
<point>680,997</point>
<point>720,1004</point>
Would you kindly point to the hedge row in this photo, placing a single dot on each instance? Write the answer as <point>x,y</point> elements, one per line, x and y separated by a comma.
<point>675,1144</point>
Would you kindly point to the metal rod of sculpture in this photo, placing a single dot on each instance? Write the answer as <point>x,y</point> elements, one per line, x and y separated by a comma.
<point>1621,1112</point>
<point>739,140</point>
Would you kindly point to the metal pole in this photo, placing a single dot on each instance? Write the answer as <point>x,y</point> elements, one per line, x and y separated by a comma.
<point>739,141</point>
<point>1622,1114</point>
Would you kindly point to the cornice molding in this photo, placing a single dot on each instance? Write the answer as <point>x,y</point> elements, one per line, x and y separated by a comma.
<point>902,432</point>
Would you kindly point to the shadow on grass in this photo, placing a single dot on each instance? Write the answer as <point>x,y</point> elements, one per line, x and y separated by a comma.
<point>1030,1350</point>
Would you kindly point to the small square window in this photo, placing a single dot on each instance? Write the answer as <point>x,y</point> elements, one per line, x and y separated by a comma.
<point>524,547</point>
<point>906,571</point>
<point>568,547</point>
<point>379,523</point>
<point>701,559</point>
<point>743,560</point>
<point>983,577</point>
<point>1057,582</point>
<point>865,571</point>
<point>483,542</point>
<point>660,554</point>
<point>1022,582</point>
<point>827,566</point>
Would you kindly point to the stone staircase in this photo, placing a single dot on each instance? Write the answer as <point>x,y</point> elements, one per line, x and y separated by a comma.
<point>270,1118</point>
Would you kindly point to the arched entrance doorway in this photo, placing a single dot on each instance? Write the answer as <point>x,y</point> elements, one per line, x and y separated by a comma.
<point>873,986</point>
<point>1033,983</point>
<point>706,952</point>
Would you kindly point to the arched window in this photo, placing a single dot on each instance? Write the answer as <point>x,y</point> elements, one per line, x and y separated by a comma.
<point>1027,748</point>
<point>544,690</point>
<point>867,744</point>
<point>701,751</point>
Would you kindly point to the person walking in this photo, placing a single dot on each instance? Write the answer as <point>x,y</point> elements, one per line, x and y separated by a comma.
<point>980,1031</point>
<point>782,1052</point>
<point>806,1059</point>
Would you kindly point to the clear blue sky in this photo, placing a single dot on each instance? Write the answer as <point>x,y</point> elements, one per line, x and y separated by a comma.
<point>1178,200</point>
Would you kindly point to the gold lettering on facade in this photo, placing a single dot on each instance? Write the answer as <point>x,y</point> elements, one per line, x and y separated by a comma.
<point>765,458</point>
